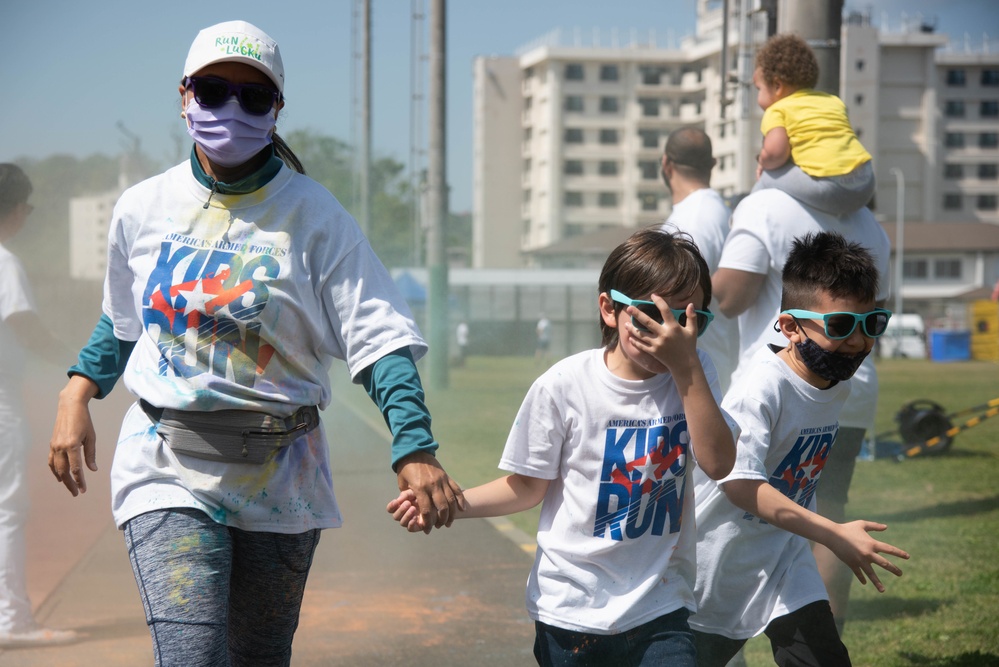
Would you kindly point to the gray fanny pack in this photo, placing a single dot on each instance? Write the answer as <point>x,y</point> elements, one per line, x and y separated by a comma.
<point>233,436</point>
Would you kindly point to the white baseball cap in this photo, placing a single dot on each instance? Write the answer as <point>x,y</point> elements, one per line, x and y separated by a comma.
<point>236,41</point>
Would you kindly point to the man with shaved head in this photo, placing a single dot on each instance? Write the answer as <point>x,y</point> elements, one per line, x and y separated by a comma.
<point>700,212</point>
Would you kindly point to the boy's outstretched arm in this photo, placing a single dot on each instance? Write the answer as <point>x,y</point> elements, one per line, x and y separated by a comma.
<point>851,542</point>
<point>500,497</point>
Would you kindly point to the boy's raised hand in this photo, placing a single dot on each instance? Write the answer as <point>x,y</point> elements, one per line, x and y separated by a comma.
<point>859,550</point>
<point>404,510</point>
<point>672,345</point>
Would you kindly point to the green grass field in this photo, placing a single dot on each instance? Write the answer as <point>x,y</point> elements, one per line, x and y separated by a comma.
<point>943,509</point>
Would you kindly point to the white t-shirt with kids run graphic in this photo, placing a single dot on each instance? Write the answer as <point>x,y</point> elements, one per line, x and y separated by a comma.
<point>244,304</point>
<point>750,572</point>
<point>616,536</point>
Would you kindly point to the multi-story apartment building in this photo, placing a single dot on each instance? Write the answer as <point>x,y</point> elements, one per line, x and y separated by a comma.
<point>569,133</point>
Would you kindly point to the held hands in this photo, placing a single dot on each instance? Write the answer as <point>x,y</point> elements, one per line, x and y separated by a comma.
<point>436,498</point>
<point>404,510</point>
<point>860,551</point>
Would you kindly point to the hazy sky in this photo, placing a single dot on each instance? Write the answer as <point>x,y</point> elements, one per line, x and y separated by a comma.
<point>73,69</point>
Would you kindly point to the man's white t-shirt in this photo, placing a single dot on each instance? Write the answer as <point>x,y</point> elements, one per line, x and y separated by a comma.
<point>764,225</point>
<point>750,572</point>
<point>703,215</point>
<point>245,305</point>
<point>611,552</point>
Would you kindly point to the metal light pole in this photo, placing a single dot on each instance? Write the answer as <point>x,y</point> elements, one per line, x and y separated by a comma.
<point>899,250</point>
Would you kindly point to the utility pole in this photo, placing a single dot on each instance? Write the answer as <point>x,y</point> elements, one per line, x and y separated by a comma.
<point>365,166</point>
<point>437,201</point>
<point>818,22</point>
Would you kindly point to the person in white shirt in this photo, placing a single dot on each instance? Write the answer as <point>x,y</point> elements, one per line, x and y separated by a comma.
<point>700,212</point>
<point>747,285</point>
<point>21,329</point>
<point>755,569</point>
<point>234,284</point>
<point>606,440</point>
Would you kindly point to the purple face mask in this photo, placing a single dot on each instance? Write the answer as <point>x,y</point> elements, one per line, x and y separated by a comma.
<point>228,135</point>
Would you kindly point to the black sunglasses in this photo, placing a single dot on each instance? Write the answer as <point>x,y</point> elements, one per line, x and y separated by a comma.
<point>212,92</point>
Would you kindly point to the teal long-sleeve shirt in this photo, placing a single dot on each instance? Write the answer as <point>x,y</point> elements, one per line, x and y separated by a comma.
<point>392,382</point>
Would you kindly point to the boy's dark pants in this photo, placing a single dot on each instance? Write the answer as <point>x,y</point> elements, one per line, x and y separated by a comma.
<point>806,637</point>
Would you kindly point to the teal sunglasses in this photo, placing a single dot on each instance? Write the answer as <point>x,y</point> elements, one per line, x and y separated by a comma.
<point>841,324</point>
<point>704,317</point>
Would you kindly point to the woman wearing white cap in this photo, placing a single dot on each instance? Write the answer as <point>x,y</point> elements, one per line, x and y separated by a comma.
<point>233,283</point>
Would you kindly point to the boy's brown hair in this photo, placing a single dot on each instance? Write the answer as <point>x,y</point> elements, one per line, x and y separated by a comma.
<point>653,261</point>
<point>788,59</point>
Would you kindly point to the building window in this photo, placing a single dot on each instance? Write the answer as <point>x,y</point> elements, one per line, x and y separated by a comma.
<point>954,139</point>
<point>528,102</point>
<point>651,76</point>
<point>527,195</point>
<point>650,201</point>
<point>608,105</point>
<point>987,203</point>
<point>529,73</point>
<point>650,138</point>
<point>573,198</point>
<point>989,109</point>
<point>574,103</point>
<point>608,168</point>
<point>956,77</point>
<point>649,169</point>
<point>947,269</point>
<point>608,73</point>
<point>527,166</point>
<point>573,72</point>
<point>608,137</point>
<point>988,172</point>
<point>953,171</point>
<point>573,135</point>
<point>988,140</point>
<point>915,269</point>
<point>607,200</point>
<point>954,108</point>
<point>573,168</point>
<point>650,107</point>
<point>528,133</point>
<point>860,64</point>
<point>858,99</point>
<point>990,77</point>
<point>952,201</point>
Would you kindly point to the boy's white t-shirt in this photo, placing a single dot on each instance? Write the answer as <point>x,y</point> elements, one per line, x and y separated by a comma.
<point>764,225</point>
<point>244,304</point>
<point>611,553</point>
<point>750,572</point>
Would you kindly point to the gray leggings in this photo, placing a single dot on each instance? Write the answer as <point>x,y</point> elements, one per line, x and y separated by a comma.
<point>837,195</point>
<point>217,596</point>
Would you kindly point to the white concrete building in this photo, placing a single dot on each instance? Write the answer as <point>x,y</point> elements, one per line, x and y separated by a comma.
<point>572,129</point>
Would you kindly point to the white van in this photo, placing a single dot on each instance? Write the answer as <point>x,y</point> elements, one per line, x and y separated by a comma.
<point>905,337</point>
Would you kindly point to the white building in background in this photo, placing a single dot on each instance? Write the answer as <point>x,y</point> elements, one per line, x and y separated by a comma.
<point>89,217</point>
<point>569,133</point>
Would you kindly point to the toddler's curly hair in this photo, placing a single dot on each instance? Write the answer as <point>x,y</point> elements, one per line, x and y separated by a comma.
<point>788,59</point>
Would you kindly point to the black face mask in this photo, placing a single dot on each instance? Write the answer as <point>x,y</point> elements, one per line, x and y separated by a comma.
<point>831,366</point>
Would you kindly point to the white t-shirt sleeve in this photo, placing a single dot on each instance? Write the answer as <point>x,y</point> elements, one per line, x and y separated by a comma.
<point>15,291</point>
<point>533,447</point>
<point>368,316</point>
<point>745,251</point>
